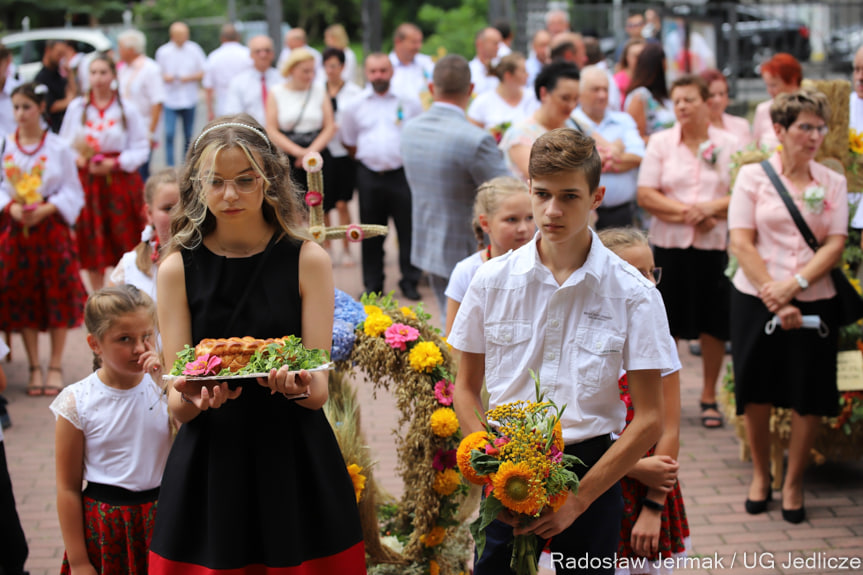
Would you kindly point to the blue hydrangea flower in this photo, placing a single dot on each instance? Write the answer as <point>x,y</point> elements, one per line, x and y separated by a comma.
<point>343,340</point>
<point>348,309</point>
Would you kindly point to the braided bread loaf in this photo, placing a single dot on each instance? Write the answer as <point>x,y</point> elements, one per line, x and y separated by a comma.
<point>235,352</point>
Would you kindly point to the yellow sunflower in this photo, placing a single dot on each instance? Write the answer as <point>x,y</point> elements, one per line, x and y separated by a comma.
<point>434,537</point>
<point>475,440</point>
<point>443,422</point>
<point>376,324</point>
<point>518,489</point>
<point>425,356</point>
<point>358,479</point>
<point>446,482</point>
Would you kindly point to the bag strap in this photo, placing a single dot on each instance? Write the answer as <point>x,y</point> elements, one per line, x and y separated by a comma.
<point>807,234</point>
<point>302,110</point>
<point>253,278</point>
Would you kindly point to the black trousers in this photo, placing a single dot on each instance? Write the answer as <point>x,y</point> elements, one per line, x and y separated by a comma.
<point>587,546</point>
<point>13,543</point>
<point>385,195</point>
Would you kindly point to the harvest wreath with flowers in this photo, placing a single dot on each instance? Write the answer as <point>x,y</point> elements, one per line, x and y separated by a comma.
<point>398,350</point>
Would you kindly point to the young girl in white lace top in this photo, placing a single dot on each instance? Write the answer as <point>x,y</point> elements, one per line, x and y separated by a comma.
<point>112,432</point>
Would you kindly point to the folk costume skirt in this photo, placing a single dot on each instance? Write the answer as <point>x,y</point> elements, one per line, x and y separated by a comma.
<point>117,529</point>
<point>112,219</point>
<point>40,281</point>
<point>794,369</point>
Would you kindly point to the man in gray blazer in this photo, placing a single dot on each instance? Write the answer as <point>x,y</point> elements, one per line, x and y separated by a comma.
<point>445,159</point>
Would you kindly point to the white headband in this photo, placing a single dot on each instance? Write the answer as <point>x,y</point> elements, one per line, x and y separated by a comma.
<point>235,125</point>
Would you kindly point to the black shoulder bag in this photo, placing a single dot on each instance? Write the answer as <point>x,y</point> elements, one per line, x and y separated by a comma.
<point>850,302</point>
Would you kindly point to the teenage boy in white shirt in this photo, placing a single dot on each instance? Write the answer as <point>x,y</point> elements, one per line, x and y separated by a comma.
<point>568,308</point>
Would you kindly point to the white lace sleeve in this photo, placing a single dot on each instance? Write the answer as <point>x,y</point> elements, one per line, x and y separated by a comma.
<point>65,406</point>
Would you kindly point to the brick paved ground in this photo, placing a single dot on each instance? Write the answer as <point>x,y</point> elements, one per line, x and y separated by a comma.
<point>713,478</point>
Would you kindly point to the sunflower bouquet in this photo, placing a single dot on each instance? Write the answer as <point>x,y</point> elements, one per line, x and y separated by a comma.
<point>519,460</point>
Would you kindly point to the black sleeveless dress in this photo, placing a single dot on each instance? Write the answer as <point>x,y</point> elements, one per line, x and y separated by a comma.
<point>258,485</point>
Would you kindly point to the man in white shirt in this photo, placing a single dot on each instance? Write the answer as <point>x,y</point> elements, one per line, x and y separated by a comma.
<point>486,43</point>
<point>223,65</point>
<point>140,84</point>
<point>248,91</point>
<point>856,122</point>
<point>182,63</point>
<point>412,71</point>
<point>622,145</point>
<point>567,308</point>
<point>539,56</point>
<point>295,39</point>
<point>8,82</point>
<point>371,131</point>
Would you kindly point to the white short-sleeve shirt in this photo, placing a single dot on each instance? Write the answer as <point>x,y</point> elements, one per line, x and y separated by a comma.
<point>575,336</point>
<point>461,275</point>
<point>127,435</point>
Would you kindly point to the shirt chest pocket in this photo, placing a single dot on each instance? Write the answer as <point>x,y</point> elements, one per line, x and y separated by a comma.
<point>596,356</point>
<point>508,344</point>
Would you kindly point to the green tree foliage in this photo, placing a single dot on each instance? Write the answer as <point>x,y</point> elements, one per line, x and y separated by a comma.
<point>454,28</point>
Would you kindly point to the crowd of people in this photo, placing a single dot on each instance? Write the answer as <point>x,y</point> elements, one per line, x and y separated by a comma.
<point>496,189</point>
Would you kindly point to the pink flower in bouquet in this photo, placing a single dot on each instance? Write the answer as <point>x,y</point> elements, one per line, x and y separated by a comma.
<point>398,335</point>
<point>313,198</point>
<point>204,365</point>
<point>98,158</point>
<point>313,162</point>
<point>444,459</point>
<point>499,441</point>
<point>443,391</point>
<point>555,454</point>
<point>491,450</point>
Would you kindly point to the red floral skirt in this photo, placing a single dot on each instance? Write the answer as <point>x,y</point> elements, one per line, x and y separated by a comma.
<point>112,219</point>
<point>40,280</point>
<point>117,537</point>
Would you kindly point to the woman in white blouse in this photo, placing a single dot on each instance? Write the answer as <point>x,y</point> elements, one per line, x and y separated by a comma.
<point>299,113</point>
<point>509,103</point>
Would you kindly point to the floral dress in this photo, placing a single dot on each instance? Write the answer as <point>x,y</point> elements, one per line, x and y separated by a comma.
<point>674,533</point>
<point>660,115</point>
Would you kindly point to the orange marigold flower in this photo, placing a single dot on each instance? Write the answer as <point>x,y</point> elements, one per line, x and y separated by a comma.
<point>446,482</point>
<point>443,422</point>
<point>473,441</point>
<point>557,501</point>
<point>434,568</point>
<point>558,435</point>
<point>434,537</point>
<point>358,479</point>
<point>517,487</point>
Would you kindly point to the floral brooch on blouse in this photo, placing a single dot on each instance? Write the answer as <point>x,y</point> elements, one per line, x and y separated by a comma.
<point>709,152</point>
<point>813,199</point>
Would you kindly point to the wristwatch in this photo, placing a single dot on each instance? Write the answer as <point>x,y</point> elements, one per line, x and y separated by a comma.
<point>801,281</point>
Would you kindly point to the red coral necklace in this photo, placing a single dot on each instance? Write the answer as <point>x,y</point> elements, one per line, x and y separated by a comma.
<point>36,149</point>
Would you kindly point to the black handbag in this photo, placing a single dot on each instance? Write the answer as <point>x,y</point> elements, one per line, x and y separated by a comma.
<point>850,302</point>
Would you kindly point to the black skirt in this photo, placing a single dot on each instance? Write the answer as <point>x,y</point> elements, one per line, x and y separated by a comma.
<point>794,369</point>
<point>341,181</point>
<point>695,291</point>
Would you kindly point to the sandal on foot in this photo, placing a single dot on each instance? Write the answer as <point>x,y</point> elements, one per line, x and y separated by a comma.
<point>53,390</point>
<point>35,390</point>
<point>711,421</point>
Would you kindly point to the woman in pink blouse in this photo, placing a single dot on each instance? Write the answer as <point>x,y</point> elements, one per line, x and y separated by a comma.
<point>717,102</point>
<point>683,183</point>
<point>782,74</point>
<point>781,277</point>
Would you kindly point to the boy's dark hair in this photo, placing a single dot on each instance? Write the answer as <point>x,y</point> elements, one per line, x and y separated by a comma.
<point>563,150</point>
<point>552,73</point>
<point>333,53</point>
<point>692,80</point>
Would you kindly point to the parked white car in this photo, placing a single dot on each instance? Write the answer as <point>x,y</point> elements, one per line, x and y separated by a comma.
<point>27,47</point>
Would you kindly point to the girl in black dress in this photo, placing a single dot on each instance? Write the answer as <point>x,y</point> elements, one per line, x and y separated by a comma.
<point>254,483</point>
